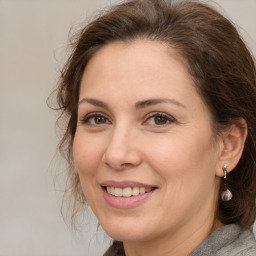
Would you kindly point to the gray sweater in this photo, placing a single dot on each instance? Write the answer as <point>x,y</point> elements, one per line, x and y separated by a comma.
<point>229,240</point>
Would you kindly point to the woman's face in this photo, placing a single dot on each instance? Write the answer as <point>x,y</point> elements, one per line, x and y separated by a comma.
<point>144,145</point>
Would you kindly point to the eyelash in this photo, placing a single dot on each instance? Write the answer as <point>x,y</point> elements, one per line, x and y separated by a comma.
<point>167,118</point>
<point>87,118</point>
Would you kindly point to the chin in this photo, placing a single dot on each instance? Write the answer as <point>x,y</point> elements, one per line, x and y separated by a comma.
<point>122,235</point>
<point>121,230</point>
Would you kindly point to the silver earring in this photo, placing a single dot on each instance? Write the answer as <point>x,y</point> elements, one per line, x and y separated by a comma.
<point>226,195</point>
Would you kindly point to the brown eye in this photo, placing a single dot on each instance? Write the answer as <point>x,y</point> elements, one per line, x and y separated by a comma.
<point>100,120</point>
<point>160,120</point>
<point>95,119</point>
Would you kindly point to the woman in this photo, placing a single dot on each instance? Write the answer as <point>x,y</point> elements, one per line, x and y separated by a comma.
<point>160,100</point>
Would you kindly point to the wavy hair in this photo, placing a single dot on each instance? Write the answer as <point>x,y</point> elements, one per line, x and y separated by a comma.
<point>218,60</point>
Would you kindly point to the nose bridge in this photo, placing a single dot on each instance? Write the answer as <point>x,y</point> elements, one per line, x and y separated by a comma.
<point>122,149</point>
<point>120,135</point>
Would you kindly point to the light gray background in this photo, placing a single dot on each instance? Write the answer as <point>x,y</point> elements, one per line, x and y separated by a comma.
<point>32,45</point>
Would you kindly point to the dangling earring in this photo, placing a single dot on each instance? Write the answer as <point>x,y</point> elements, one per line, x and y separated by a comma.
<point>226,195</point>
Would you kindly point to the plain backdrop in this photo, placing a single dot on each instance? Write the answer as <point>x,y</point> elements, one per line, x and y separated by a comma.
<point>33,40</point>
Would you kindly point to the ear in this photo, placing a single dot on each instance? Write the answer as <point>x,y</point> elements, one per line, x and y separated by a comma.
<point>232,145</point>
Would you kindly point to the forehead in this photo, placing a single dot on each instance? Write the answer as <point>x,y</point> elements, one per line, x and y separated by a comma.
<point>139,64</point>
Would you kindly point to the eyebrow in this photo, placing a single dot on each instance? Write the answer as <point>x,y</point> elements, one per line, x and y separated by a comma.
<point>151,102</point>
<point>138,105</point>
<point>94,102</point>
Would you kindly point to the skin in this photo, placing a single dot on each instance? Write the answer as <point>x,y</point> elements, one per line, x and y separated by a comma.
<point>117,140</point>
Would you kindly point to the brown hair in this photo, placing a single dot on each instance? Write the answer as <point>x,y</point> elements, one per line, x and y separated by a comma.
<point>217,59</point>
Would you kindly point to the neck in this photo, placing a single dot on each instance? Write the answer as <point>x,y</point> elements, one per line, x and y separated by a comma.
<point>180,243</point>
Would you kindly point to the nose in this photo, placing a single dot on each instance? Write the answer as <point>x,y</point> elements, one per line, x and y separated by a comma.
<point>122,151</point>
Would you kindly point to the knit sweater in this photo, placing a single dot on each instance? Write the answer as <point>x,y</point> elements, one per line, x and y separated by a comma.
<point>229,240</point>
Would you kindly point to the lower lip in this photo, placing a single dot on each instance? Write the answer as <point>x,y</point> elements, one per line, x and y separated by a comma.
<point>126,202</point>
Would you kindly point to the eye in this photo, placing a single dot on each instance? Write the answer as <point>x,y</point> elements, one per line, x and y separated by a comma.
<point>159,119</point>
<point>95,119</point>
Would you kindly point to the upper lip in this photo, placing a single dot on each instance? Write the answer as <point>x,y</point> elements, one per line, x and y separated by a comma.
<point>125,184</point>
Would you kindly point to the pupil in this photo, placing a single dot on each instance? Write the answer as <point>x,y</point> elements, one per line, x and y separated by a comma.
<point>160,120</point>
<point>100,120</point>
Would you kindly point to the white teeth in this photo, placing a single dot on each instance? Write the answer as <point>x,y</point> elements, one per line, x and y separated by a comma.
<point>118,192</point>
<point>135,191</point>
<point>142,190</point>
<point>128,191</point>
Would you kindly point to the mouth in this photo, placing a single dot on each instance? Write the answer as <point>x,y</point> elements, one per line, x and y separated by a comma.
<point>126,194</point>
<point>127,191</point>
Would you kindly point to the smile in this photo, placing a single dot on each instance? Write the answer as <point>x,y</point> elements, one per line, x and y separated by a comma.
<point>127,191</point>
<point>126,194</point>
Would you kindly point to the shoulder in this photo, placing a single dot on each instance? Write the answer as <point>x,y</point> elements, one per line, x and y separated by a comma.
<point>230,240</point>
<point>243,245</point>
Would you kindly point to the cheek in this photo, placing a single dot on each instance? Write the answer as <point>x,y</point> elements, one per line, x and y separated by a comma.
<point>184,156</point>
<point>186,167</point>
<point>87,154</point>
<point>87,158</point>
